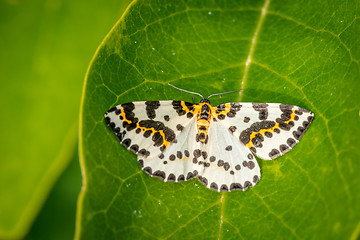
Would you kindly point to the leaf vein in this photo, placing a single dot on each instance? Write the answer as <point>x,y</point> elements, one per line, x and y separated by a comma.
<point>317,30</point>
<point>253,42</point>
<point>276,215</point>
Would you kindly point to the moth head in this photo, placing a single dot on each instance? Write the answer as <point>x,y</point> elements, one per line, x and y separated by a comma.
<point>205,100</point>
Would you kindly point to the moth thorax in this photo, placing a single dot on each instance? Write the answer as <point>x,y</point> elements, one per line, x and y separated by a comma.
<point>205,112</point>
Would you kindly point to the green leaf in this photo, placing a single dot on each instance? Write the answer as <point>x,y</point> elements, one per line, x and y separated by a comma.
<point>45,49</point>
<point>56,219</point>
<point>302,53</point>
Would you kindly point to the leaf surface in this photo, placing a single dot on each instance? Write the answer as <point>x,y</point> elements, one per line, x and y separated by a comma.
<point>299,53</point>
<point>56,219</point>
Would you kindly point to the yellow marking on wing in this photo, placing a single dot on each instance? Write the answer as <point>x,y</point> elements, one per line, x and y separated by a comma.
<point>153,131</point>
<point>225,111</point>
<point>196,109</point>
<point>143,129</point>
<point>262,131</point>
<point>124,116</point>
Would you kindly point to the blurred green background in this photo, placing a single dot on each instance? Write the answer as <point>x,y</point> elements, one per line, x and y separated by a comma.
<point>46,46</point>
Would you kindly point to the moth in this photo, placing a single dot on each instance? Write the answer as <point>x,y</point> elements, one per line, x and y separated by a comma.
<point>177,140</point>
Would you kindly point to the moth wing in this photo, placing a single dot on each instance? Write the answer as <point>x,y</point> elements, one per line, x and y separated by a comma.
<point>158,132</point>
<point>176,163</point>
<point>269,130</point>
<point>230,165</point>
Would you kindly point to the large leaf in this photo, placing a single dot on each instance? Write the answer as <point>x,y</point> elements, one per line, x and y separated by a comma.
<point>302,53</point>
<point>56,219</point>
<point>45,49</point>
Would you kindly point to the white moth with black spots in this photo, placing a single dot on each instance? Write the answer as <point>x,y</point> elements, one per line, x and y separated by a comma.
<point>177,141</point>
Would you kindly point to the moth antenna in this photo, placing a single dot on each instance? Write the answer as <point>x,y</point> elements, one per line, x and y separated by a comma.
<point>186,90</point>
<point>215,94</point>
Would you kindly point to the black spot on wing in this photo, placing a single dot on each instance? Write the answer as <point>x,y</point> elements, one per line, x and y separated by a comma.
<point>220,108</point>
<point>214,186</point>
<point>247,184</point>
<point>232,129</point>
<point>157,126</point>
<point>220,163</point>
<point>181,178</point>
<point>142,152</point>
<point>262,109</point>
<point>148,170</point>
<point>134,148</point>
<point>257,140</point>
<point>159,174</point>
<point>221,117</point>
<point>128,109</point>
<point>120,136</point>
<point>291,142</point>
<point>197,153</point>
<point>236,186</point>
<point>299,132</point>
<point>179,109</point>
<point>284,148</point>
<point>268,134</point>
<point>190,175</point>
<point>251,165</point>
<point>228,148</point>
<point>203,180</point>
<point>224,188</point>
<point>226,166</point>
<point>117,111</point>
<point>157,139</point>
<point>171,178</point>
<point>274,153</point>
<point>235,106</point>
<point>126,143</point>
<point>179,127</point>
<point>285,116</point>
<point>256,179</point>
<point>147,133</point>
<point>255,127</point>
<point>187,154</point>
<point>151,106</point>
